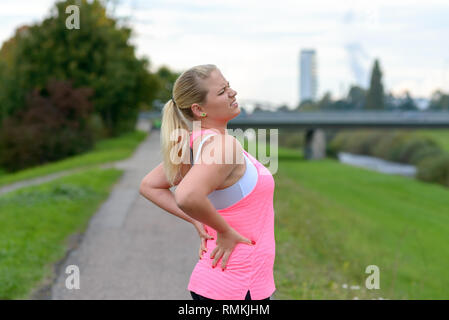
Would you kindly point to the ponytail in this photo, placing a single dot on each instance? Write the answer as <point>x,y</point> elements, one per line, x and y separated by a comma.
<point>174,140</point>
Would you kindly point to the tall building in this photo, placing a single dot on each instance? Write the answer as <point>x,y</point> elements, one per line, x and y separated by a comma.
<point>308,75</point>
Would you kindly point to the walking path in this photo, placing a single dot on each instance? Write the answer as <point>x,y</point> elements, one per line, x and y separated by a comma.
<point>49,177</point>
<point>132,249</point>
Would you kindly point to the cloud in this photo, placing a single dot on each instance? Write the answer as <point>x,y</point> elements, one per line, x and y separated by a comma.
<point>257,43</point>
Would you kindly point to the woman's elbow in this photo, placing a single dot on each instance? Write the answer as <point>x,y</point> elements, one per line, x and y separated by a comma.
<point>145,189</point>
<point>183,199</point>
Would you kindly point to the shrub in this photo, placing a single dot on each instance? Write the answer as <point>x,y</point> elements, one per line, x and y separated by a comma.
<point>53,126</point>
<point>425,152</point>
<point>358,142</point>
<point>291,138</point>
<point>412,146</point>
<point>435,169</point>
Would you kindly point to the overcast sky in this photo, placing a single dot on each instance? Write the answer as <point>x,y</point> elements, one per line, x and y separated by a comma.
<point>256,43</point>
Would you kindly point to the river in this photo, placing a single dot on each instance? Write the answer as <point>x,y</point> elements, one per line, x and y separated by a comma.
<point>377,164</point>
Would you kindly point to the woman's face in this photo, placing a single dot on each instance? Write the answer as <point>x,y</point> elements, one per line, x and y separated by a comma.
<point>220,100</point>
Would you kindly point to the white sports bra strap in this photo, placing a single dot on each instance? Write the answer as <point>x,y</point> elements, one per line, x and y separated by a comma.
<point>201,144</point>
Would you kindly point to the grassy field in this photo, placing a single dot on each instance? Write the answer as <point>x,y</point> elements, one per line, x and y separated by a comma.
<point>108,150</point>
<point>35,223</point>
<point>333,220</point>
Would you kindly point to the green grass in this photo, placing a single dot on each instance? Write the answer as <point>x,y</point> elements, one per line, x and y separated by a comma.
<point>108,150</point>
<point>35,223</point>
<point>333,220</point>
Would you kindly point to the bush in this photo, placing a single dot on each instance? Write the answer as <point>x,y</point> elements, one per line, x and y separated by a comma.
<point>357,142</point>
<point>435,169</point>
<point>425,152</point>
<point>388,147</point>
<point>412,146</point>
<point>293,139</point>
<point>53,126</point>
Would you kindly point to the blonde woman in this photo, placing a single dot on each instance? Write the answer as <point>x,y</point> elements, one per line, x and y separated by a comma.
<point>230,203</point>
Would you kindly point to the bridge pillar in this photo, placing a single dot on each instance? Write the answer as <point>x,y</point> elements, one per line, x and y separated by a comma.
<point>315,144</point>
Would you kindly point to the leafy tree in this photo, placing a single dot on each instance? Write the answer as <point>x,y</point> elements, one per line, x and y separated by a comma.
<point>165,79</point>
<point>98,55</point>
<point>341,105</point>
<point>356,97</point>
<point>325,102</point>
<point>391,102</point>
<point>375,95</point>
<point>283,108</point>
<point>407,103</point>
<point>439,101</point>
<point>53,126</point>
<point>11,94</point>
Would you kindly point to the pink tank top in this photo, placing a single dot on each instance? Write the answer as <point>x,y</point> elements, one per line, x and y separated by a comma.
<point>249,267</point>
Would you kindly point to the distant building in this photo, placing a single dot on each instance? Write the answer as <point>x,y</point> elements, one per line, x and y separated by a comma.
<point>308,75</point>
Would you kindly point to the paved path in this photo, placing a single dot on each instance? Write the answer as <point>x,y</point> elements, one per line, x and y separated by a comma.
<point>132,249</point>
<point>49,177</point>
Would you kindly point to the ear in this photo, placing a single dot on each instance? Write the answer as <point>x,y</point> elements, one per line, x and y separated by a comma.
<point>196,109</point>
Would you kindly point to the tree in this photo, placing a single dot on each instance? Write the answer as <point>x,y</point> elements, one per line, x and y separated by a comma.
<point>356,97</point>
<point>439,101</point>
<point>54,125</point>
<point>307,106</point>
<point>165,79</point>
<point>375,95</point>
<point>407,103</point>
<point>283,108</point>
<point>11,95</point>
<point>325,102</point>
<point>98,55</point>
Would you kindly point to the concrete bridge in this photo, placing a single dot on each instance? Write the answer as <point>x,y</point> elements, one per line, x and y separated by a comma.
<point>314,122</point>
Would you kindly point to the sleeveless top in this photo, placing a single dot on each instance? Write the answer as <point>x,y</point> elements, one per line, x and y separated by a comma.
<point>248,267</point>
<point>225,197</point>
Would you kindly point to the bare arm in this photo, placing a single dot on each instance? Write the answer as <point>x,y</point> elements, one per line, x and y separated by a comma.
<point>164,199</point>
<point>202,179</point>
<point>155,188</point>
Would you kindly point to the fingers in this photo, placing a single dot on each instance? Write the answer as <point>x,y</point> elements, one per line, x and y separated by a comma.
<point>203,244</point>
<point>247,241</point>
<point>224,261</point>
<point>214,251</point>
<point>216,256</point>
<point>203,248</point>
<point>224,255</point>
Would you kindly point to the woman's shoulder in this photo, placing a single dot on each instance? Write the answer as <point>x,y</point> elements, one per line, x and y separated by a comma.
<point>207,136</point>
<point>226,143</point>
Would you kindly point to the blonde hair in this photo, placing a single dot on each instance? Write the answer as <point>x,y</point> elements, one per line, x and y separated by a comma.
<point>188,89</point>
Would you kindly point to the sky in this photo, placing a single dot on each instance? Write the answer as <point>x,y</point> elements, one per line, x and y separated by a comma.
<point>256,44</point>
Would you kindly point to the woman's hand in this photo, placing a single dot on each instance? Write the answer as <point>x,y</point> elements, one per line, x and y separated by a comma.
<point>226,241</point>
<point>204,236</point>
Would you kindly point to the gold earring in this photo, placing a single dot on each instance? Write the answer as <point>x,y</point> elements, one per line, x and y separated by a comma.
<point>203,114</point>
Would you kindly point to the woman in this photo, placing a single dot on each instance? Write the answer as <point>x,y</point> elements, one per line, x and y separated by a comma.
<point>230,203</point>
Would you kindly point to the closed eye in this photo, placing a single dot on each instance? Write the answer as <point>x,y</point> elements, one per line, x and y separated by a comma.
<point>224,91</point>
